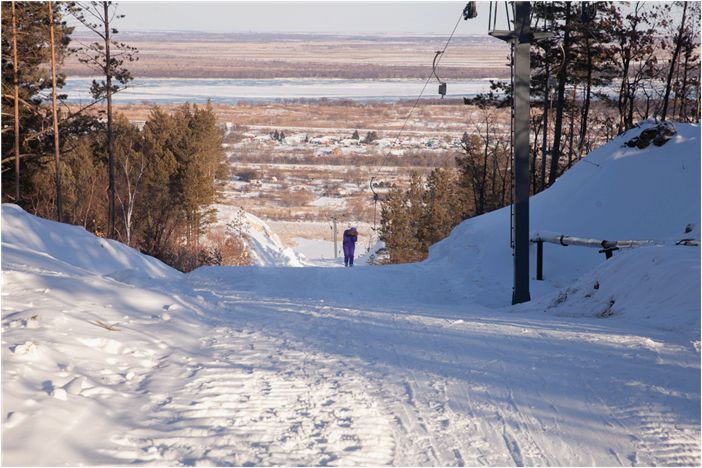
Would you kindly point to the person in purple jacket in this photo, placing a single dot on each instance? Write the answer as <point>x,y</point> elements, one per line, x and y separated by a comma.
<point>350,238</point>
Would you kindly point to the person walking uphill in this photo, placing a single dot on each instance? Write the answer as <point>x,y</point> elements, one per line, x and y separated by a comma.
<point>350,238</point>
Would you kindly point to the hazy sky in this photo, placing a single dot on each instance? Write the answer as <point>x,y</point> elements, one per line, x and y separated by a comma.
<point>395,17</point>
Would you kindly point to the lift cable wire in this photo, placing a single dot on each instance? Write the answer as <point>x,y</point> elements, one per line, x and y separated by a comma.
<point>437,60</point>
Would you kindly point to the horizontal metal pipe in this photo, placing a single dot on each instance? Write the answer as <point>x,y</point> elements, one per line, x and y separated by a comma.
<point>602,244</point>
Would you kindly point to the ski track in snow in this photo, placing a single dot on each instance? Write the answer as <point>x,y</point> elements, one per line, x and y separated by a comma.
<point>280,381</point>
<point>262,400</point>
<point>428,409</point>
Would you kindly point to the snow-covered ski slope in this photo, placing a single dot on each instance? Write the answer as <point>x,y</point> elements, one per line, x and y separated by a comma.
<point>110,357</point>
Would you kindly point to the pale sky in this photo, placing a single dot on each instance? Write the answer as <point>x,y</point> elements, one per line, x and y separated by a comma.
<point>369,17</point>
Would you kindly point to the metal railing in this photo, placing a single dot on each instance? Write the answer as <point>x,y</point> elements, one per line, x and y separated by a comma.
<point>606,247</point>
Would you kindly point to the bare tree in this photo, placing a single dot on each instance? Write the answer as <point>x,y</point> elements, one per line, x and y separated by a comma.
<point>673,60</point>
<point>107,57</point>
<point>132,165</point>
<point>484,164</point>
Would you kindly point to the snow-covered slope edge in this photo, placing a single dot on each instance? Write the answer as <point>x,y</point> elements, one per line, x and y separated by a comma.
<point>24,234</point>
<point>615,193</point>
<point>650,287</point>
<point>265,247</point>
<point>85,323</point>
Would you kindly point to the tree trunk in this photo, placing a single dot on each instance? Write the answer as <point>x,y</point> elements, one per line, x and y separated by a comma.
<point>505,189</point>
<point>624,92</point>
<point>15,75</point>
<point>562,76</point>
<point>625,88</point>
<point>90,204</point>
<point>534,156</point>
<point>683,86</point>
<point>586,104</point>
<point>571,128</point>
<point>110,142</point>
<point>54,110</point>
<point>544,146</point>
<point>483,175</point>
<point>674,58</point>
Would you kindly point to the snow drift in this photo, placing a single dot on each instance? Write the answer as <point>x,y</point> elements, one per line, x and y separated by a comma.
<point>25,235</point>
<point>659,286</point>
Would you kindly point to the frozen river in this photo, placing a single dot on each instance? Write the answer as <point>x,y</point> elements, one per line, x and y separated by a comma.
<point>226,91</point>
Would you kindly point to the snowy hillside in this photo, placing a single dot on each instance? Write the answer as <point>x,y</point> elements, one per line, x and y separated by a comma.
<point>615,193</point>
<point>46,242</point>
<point>423,364</point>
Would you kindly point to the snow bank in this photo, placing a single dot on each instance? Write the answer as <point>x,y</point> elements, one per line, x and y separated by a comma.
<point>265,247</point>
<point>85,323</point>
<point>46,241</point>
<point>615,193</point>
<point>655,286</point>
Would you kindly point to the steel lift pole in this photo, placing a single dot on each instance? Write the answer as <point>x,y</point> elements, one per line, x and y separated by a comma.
<point>521,38</point>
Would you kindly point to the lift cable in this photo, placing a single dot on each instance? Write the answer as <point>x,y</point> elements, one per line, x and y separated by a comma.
<point>437,59</point>
<point>465,14</point>
<point>426,83</point>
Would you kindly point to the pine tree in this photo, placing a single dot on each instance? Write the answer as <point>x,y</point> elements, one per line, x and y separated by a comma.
<point>130,162</point>
<point>680,38</point>
<point>54,112</point>
<point>84,176</point>
<point>107,57</point>
<point>371,136</point>
<point>444,206</point>
<point>484,166</point>
<point>633,53</point>
<point>590,65</point>
<point>678,43</point>
<point>401,221</point>
<point>562,77</point>
<point>31,60</point>
<point>689,71</point>
<point>159,211</point>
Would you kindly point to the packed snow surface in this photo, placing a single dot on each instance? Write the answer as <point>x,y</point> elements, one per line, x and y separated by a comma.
<point>112,358</point>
